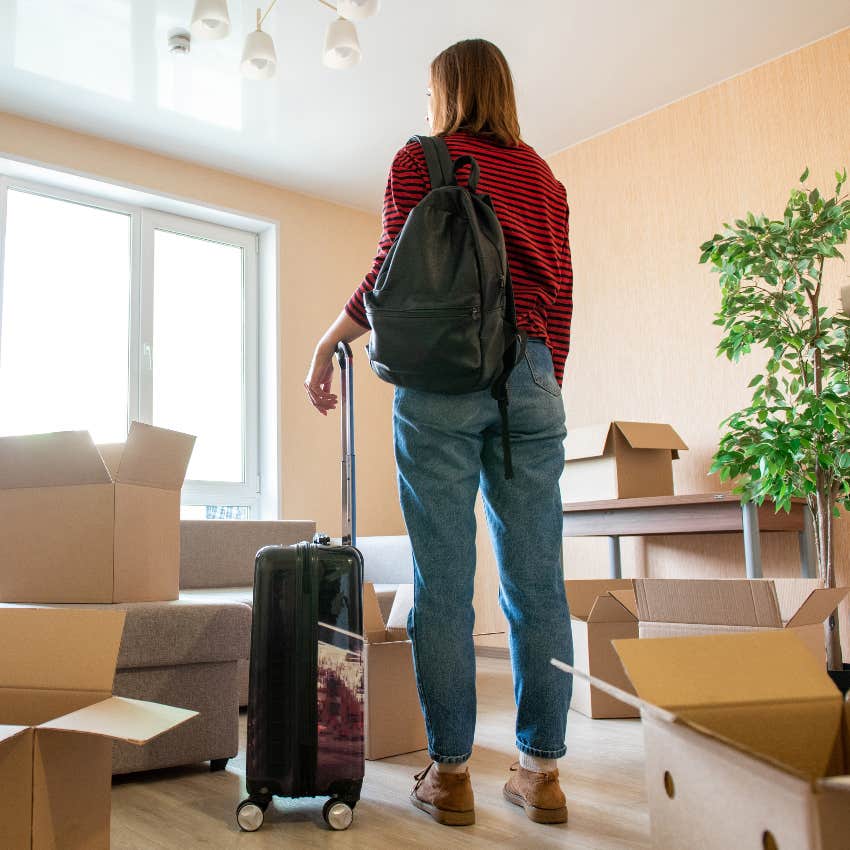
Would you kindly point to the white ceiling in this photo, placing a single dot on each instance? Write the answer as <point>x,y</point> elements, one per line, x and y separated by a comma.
<point>102,66</point>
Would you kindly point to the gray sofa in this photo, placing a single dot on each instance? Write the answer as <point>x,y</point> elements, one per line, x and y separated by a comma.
<point>217,564</point>
<point>193,652</point>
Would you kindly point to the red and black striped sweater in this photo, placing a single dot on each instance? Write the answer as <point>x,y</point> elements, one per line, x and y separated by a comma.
<point>532,208</point>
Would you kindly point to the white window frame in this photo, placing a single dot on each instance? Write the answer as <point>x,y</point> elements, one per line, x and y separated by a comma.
<point>207,492</point>
<point>143,221</point>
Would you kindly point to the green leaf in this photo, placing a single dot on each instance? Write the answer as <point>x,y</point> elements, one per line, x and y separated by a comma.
<point>804,175</point>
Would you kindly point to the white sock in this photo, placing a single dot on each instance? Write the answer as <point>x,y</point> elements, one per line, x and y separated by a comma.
<point>539,765</point>
<point>451,767</point>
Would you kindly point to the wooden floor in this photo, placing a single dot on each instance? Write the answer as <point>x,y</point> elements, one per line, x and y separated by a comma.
<point>602,775</point>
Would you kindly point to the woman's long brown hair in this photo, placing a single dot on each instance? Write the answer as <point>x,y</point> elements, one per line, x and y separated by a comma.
<point>472,90</point>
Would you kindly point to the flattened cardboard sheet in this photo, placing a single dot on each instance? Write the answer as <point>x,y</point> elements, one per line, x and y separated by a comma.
<point>51,648</point>
<point>50,460</point>
<point>122,719</point>
<point>155,457</point>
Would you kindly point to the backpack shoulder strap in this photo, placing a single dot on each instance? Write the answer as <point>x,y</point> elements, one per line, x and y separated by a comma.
<point>438,159</point>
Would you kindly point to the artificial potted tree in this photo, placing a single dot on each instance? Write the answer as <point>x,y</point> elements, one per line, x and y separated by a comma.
<point>793,440</point>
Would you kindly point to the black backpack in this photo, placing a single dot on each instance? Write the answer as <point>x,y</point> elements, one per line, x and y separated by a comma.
<point>442,311</point>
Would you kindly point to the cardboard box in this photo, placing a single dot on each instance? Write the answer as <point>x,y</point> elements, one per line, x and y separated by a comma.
<point>59,720</point>
<point>394,722</point>
<point>690,607</point>
<point>80,523</point>
<point>601,611</point>
<point>747,742</point>
<point>620,460</point>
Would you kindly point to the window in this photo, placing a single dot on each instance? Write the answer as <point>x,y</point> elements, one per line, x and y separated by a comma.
<point>111,313</point>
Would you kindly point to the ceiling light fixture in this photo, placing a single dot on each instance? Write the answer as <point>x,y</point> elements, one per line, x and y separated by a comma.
<point>210,19</point>
<point>342,47</point>
<point>259,59</point>
<point>357,10</point>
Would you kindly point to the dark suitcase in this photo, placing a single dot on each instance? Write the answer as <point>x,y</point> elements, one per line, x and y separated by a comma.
<point>305,703</point>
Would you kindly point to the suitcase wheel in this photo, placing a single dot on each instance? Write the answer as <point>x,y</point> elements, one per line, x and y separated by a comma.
<point>338,814</point>
<point>250,813</point>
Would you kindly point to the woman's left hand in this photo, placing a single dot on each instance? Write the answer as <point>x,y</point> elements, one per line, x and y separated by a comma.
<point>319,381</point>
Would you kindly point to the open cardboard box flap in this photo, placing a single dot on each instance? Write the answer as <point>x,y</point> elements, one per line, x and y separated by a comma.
<point>50,460</point>
<point>819,604</point>
<point>374,627</point>
<point>60,650</point>
<point>591,441</point>
<point>762,691</point>
<point>122,719</point>
<point>766,603</point>
<point>601,600</point>
<point>152,457</point>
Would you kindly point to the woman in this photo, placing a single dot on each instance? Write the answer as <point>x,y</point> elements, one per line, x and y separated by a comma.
<point>446,445</point>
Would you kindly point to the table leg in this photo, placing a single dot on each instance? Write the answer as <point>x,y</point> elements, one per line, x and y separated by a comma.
<point>752,543</point>
<point>615,566</point>
<point>808,553</point>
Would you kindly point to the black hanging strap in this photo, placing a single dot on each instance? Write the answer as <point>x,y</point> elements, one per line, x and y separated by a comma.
<point>438,160</point>
<point>514,352</point>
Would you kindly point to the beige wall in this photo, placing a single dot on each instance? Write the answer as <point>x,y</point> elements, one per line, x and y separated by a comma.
<point>324,249</point>
<point>643,198</point>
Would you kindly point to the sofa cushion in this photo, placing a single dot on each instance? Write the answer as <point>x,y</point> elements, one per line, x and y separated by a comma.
<point>387,559</point>
<point>220,553</point>
<point>245,595</point>
<point>182,631</point>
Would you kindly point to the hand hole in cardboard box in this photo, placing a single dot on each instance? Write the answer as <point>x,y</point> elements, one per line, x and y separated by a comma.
<point>669,785</point>
<point>768,842</point>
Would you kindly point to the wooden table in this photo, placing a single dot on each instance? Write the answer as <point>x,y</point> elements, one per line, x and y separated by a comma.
<point>701,513</point>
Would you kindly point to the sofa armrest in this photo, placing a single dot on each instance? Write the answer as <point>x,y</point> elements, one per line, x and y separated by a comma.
<point>220,553</point>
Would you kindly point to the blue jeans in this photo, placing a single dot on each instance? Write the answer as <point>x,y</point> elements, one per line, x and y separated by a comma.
<point>445,447</point>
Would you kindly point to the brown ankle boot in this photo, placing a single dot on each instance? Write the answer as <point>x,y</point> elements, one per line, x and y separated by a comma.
<point>447,797</point>
<point>538,793</point>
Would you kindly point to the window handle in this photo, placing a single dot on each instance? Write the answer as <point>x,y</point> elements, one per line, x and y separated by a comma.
<point>147,354</point>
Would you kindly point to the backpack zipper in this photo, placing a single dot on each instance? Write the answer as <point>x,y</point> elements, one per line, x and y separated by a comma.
<point>430,312</point>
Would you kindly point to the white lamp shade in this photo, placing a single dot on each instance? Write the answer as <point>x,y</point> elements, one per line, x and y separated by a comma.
<point>342,47</point>
<point>259,59</point>
<point>357,10</point>
<point>210,19</point>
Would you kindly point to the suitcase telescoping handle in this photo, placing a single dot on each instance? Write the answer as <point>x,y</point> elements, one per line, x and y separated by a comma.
<point>349,508</point>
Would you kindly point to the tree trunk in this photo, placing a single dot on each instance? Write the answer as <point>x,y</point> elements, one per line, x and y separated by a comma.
<point>834,660</point>
<point>826,557</point>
